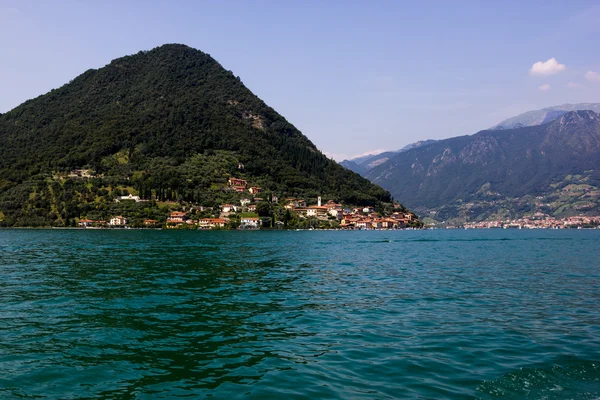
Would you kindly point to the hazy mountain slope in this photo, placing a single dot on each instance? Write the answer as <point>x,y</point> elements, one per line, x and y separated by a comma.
<point>352,166</point>
<point>492,166</point>
<point>416,145</point>
<point>363,164</point>
<point>545,115</point>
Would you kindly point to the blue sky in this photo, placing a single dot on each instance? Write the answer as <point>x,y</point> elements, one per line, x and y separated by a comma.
<point>353,76</point>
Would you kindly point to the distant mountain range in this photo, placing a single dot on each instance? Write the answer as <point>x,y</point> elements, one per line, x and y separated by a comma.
<point>552,167</point>
<point>543,116</point>
<point>364,164</point>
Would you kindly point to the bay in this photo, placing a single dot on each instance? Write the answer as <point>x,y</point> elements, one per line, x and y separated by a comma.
<point>297,314</point>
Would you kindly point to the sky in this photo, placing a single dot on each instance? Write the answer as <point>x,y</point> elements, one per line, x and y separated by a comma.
<point>355,77</point>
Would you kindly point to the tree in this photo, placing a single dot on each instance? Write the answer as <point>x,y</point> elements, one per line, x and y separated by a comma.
<point>266,221</point>
<point>263,209</point>
<point>287,217</point>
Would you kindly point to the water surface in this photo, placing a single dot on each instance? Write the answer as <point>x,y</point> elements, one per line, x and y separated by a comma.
<point>339,315</point>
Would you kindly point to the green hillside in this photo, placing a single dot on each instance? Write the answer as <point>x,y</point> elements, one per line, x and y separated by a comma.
<point>170,125</point>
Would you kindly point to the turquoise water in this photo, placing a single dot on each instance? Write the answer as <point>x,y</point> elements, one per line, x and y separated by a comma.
<point>267,315</point>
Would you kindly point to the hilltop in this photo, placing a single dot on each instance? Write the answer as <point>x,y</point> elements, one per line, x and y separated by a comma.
<point>169,125</point>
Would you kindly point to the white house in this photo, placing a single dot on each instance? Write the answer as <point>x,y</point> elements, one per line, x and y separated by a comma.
<point>316,211</point>
<point>86,223</point>
<point>226,208</point>
<point>118,221</point>
<point>334,212</point>
<point>254,190</point>
<point>250,222</point>
<point>129,197</point>
<point>210,223</point>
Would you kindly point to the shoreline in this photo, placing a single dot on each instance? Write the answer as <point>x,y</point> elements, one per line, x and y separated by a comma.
<point>290,229</point>
<point>195,230</point>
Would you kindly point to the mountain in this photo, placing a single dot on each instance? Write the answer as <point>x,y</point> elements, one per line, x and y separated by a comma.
<point>169,124</point>
<point>353,166</point>
<point>543,116</point>
<point>363,164</point>
<point>416,145</point>
<point>553,168</point>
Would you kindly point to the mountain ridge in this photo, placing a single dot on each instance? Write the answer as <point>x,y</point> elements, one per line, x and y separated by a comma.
<point>491,166</point>
<point>543,115</point>
<point>363,164</point>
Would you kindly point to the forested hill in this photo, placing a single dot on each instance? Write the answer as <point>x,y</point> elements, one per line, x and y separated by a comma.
<point>169,123</point>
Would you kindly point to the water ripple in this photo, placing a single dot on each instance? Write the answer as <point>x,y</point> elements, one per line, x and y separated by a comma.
<point>161,315</point>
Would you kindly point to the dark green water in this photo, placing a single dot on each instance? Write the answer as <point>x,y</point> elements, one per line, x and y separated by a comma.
<point>267,315</point>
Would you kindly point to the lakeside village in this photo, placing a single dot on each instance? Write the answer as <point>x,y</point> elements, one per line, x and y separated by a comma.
<point>538,220</point>
<point>256,212</point>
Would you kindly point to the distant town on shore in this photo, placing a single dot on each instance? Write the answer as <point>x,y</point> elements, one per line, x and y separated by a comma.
<point>538,221</point>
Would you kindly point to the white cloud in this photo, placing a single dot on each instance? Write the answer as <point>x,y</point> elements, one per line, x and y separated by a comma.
<point>544,88</point>
<point>574,85</point>
<point>547,67</point>
<point>592,76</point>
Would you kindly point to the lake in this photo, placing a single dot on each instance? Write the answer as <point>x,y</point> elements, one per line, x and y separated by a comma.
<point>300,314</point>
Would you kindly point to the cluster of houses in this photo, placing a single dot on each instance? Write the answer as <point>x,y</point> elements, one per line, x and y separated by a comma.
<point>117,222</point>
<point>178,218</point>
<point>374,221</point>
<point>240,185</point>
<point>538,220</point>
<point>175,219</point>
<point>347,218</point>
<point>81,174</point>
<point>355,218</point>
